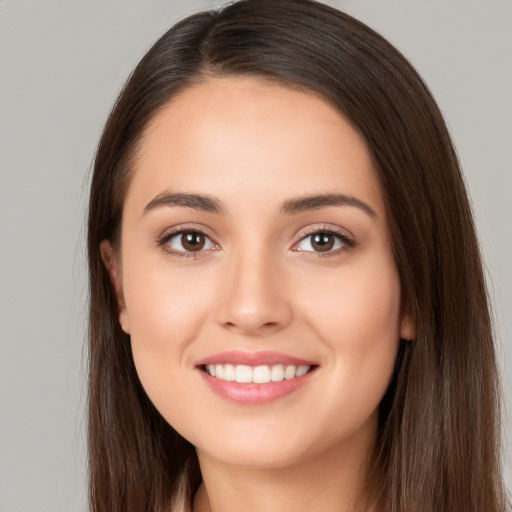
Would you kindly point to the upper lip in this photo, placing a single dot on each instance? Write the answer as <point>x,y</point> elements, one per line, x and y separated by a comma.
<point>238,357</point>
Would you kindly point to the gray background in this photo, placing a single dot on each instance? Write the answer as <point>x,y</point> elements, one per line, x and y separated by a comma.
<point>61,66</point>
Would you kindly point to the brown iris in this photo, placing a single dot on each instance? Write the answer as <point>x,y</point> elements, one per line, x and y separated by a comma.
<point>192,241</point>
<point>322,242</point>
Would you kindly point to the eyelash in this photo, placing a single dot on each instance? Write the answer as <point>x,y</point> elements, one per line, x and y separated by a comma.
<point>348,242</point>
<point>168,236</point>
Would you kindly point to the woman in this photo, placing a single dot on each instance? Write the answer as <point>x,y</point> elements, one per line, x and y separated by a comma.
<point>288,308</point>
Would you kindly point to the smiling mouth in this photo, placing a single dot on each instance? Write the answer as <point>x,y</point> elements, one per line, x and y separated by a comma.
<point>262,374</point>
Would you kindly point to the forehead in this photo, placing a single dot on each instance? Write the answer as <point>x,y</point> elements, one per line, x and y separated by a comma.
<point>251,136</point>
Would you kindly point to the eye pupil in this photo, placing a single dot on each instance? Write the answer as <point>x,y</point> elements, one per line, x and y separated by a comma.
<point>322,242</point>
<point>192,241</point>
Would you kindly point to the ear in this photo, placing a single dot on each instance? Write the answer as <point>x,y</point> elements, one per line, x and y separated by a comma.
<point>113,266</point>
<point>407,326</point>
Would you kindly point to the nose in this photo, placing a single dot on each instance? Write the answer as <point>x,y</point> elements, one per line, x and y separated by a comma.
<point>252,299</point>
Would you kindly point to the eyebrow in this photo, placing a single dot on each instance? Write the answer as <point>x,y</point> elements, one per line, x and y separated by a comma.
<point>292,206</point>
<point>195,201</point>
<point>315,202</point>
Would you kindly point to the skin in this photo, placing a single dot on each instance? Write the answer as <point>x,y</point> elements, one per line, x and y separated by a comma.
<point>261,285</point>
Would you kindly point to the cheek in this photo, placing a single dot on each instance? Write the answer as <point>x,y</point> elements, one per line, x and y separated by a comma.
<point>354,301</point>
<point>166,309</point>
<point>160,311</point>
<point>356,314</point>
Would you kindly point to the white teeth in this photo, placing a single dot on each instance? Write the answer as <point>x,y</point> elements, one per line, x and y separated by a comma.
<point>302,370</point>
<point>229,372</point>
<point>289,373</point>
<point>243,373</point>
<point>277,373</point>
<point>259,374</point>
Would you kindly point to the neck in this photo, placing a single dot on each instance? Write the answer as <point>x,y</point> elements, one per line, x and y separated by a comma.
<point>330,482</point>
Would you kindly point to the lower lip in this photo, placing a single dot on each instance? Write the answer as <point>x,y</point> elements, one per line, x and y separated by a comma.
<point>254,394</point>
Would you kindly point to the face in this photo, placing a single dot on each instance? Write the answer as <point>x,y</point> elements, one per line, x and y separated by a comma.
<point>255,274</point>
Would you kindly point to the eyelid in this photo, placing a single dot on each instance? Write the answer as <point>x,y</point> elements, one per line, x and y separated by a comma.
<point>169,233</point>
<point>345,236</point>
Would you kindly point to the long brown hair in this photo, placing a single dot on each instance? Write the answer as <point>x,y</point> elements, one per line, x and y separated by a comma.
<point>438,440</point>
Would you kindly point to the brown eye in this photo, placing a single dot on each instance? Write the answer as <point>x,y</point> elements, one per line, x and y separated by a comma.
<point>322,242</point>
<point>192,241</point>
<point>188,242</point>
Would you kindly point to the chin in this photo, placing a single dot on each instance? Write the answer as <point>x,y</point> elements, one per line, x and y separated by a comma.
<point>256,457</point>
